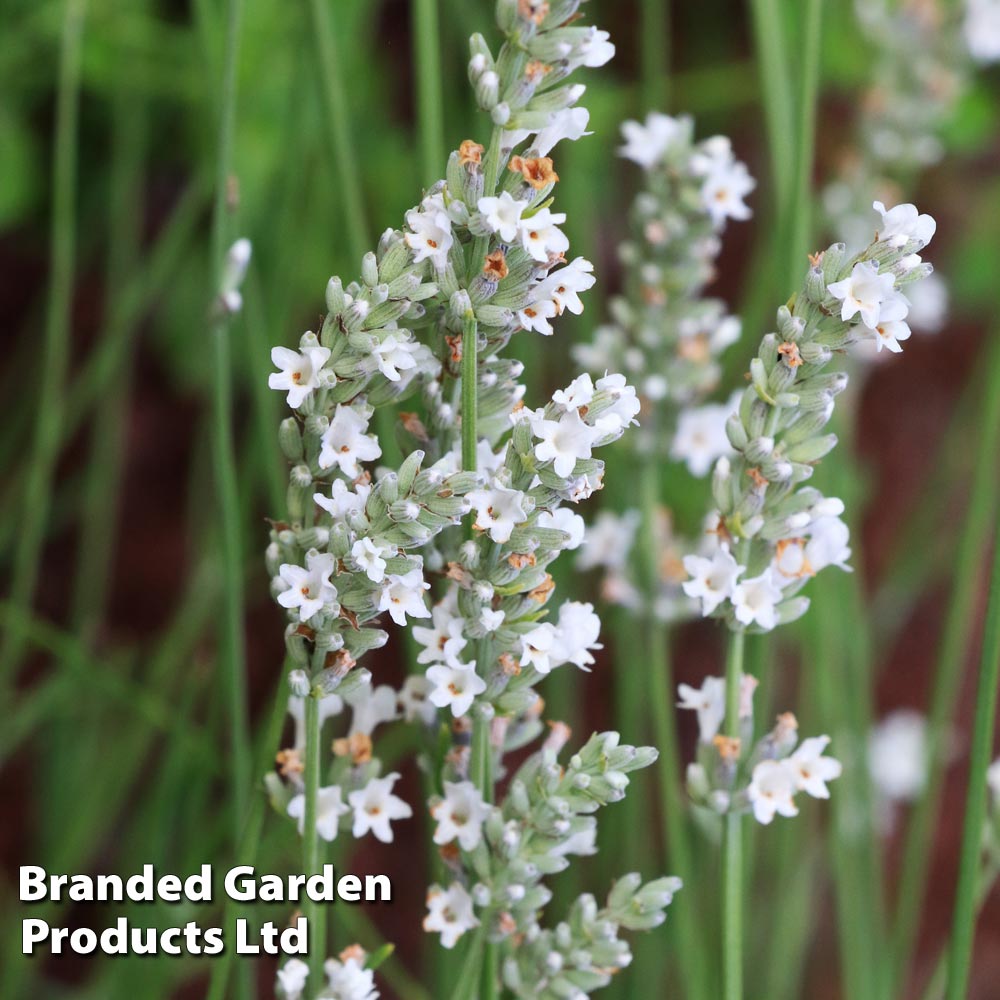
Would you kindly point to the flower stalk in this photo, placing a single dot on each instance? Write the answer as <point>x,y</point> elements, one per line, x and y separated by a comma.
<point>963,920</point>
<point>732,860</point>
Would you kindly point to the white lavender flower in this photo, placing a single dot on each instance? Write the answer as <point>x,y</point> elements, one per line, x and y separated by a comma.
<point>774,530</point>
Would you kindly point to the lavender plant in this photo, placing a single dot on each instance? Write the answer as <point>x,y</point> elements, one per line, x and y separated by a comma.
<point>668,335</point>
<point>479,507</point>
<point>773,532</point>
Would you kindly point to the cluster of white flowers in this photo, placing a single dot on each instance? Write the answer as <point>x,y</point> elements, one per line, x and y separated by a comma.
<point>545,818</point>
<point>765,779</point>
<point>664,332</point>
<point>347,978</point>
<point>773,532</point>
<point>668,336</point>
<point>358,797</point>
<point>480,259</point>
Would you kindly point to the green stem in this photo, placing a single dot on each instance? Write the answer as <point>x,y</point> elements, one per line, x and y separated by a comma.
<point>808,90</point>
<point>949,671</point>
<point>427,55</point>
<point>732,861</point>
<point>987,879</point>
<point>655,53</point>
<point>251,839</point>
<point>335,104</point>
<point>232,642</point>
<point>470,390</point>
<point>963,921</point>
<point>636,700</point>
<point>772,65</point>
<point>315,915</point>
<point>44,448</point>
<point>480,761</point>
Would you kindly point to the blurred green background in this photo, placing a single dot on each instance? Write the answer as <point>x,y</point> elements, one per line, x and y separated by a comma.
<point>114,741</point>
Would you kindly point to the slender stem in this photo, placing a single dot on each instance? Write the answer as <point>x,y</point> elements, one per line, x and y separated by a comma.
<point>949,670</point>
<point>636,700</point>
<point>314,914</point>
<point>427,56</point>
<point>470,363</point>
<point>44,449</point>
<point>232,643</point>
<point>963,921</point>
<point>251,839</point>
<point>772,65</point>
<point>335,103</point>
<point>987,879</point>
<point>808,90</point>
<point>732,861</point>
<point>655,53</point>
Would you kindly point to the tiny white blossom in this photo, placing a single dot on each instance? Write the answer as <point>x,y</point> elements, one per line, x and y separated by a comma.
<point>576,635</point>
<point>537,646</point>
<point>563,286</point>
<point>580,392</point>
<point>863,291</point>
<point>345,443</point>
<point>503,215</point>
<point>700,439</point>
<point>723,191</point>
<point>343,500</point>
<point>309,589</point>
<point>563,519</point>
<point>449,913</point>
<point>498,510</point>
<point>292,978</point>
<point>897,755</point>
<point>982,30</point>
<point>609,540</point>
<point>330,807</point>
<point>812,769</point>
<point>375,807</point>
<point>709,701</point>
<point>394,354</point>
<point>349,980</point>
<point>891,328</point>
<point>623,410</point>
<point>491,620</point>
<point>541,235</point>
<point>430,237</point>
<point>403,595</point>
<point>444,640</point>
<point>460,815</point>
<point>712,580</point>
<point>369,558</point>
<point>536,315</point>
<point>755,599</point>
<point>414,701</point>
<point>772,790</point>
<point>647,143</point>
<point>567,123</point>
<point>455,686</point>
<point>370,707</point>
<point>299,373</point>
<point>594,50</point>
<point>564,441</point>
<point>828,544</point>
<point>904,223</point>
